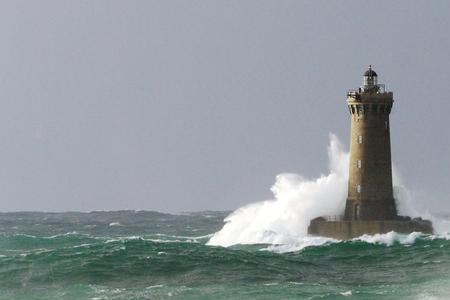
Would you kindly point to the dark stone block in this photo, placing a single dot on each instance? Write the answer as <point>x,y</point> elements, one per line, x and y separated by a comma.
<point>343,230</point>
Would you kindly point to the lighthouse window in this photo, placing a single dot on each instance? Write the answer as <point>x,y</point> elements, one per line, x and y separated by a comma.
<point>358,188</point>
<point>359,163</point>
<point>356,211</point>
<point>359,139</point>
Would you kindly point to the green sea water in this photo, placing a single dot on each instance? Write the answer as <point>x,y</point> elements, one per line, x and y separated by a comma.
<point>149,255</point>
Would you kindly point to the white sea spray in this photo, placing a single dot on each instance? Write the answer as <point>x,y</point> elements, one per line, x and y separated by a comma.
<point>285,219</point>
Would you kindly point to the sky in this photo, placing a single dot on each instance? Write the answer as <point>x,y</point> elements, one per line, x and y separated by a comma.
<point>198,105</point>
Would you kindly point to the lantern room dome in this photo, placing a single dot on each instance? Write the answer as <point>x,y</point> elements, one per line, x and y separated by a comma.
<point>370,73</point>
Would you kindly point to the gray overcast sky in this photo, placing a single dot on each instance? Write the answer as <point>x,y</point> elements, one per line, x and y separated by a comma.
<point>195,105</point>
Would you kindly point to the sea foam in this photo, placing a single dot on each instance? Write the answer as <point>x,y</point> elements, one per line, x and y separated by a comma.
<point>283,221</point>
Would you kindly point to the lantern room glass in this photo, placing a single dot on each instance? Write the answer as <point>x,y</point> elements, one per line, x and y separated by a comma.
<point>370,81</point>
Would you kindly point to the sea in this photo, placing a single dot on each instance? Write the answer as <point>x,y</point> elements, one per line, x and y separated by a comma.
<point>152,255</point>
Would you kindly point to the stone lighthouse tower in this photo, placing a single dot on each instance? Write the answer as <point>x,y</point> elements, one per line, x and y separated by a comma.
<point>370,195</point>
<point>370,205</point>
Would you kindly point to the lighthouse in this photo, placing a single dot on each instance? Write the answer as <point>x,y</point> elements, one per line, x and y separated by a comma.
<point>370,205</point>
<point>370,193</point>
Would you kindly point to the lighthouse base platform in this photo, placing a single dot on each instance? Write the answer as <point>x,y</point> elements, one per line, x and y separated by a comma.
<point>344,230</point>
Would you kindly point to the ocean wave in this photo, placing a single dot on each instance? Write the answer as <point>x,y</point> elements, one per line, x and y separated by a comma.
<point>391,238</point>
<point>25,244</point>
<point>19,241</point>
<point>112,224</point>
<point>302,243</point>
<point>156,238</point>
<point>184,237</point>
<point>387,239</point>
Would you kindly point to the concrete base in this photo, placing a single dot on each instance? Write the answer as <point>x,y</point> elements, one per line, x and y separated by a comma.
<point>344,230</point>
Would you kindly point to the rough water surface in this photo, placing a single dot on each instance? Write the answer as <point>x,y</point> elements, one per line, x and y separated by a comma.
<point>149,255</point>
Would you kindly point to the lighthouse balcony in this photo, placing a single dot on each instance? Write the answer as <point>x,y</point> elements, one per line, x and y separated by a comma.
<point>378,89</point>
